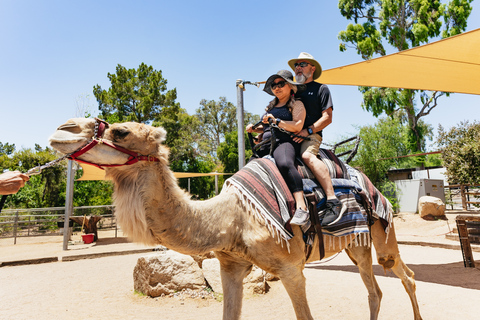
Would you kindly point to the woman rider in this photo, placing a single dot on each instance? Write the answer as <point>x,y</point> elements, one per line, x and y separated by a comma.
<point>289,115</point>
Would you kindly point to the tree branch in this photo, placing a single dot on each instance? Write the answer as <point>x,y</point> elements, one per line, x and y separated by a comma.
<point>427,107</point>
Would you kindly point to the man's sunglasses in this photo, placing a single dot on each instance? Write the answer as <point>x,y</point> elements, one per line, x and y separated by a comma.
<point>279,84</point>
<point>302,64</point>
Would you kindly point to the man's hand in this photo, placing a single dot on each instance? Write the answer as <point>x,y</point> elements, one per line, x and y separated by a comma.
<point>303,133</point>
<point>12,181</point>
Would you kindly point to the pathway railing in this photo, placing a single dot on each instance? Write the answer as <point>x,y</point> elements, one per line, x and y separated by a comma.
<point>15,223</point>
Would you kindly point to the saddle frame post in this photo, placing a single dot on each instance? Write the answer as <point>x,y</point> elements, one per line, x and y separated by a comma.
<point>316,225</point>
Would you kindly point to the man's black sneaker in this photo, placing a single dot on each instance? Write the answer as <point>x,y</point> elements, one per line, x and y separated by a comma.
<point>333,212</point>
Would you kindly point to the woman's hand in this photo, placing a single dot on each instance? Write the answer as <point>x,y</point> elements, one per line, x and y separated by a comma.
<point>268,116</point>
<point>249,128</point>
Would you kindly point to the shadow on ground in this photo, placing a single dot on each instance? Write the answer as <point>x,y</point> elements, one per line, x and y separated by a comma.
<point>451,274</point>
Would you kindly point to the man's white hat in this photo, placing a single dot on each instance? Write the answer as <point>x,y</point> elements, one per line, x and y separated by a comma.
<point>311,60</point>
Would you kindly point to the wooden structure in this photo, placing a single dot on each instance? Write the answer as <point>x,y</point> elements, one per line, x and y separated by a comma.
<point>89,224</point>
<point>466,194</point>
<point>462,220</point>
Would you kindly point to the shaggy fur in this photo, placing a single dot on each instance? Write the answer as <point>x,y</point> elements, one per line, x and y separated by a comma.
<point>151,208</point>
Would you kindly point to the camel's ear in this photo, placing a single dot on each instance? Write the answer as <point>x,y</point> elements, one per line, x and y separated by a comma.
<point>158,134</point>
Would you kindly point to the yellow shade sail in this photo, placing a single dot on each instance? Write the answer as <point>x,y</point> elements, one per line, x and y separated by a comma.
<point>93,173</point>
<point>450,65</point>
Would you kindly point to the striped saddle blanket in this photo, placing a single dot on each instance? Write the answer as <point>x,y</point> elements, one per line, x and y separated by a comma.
<point>262,189</point>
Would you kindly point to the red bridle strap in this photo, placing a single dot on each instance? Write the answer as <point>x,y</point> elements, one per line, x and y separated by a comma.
<point>133,156</point>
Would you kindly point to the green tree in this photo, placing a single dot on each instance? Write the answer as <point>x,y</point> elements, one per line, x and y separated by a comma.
<point>228,152</point>
<point>43,190</point>
<point>182,132</point>
<point>134,95</point>
<point>183,140</point>
<point>92,193</point>
<point>215,120</point>
<point>402,24</point>
<point>7,148</point>
<point>461,152</point>
<point>383,146</point>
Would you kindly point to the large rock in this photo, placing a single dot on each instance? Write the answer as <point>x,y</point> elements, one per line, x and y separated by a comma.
<point>254,282</point>
<point>429,207</point>
<point>166,273</point>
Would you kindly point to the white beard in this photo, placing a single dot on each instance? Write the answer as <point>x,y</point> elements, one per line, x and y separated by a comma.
<point>300,78</point>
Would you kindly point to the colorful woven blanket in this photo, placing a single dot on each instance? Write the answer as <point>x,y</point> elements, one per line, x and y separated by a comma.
<point>343,176</point>
<point>262,189</point>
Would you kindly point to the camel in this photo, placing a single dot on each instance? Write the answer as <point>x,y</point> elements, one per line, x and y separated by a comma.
<point>152,209</point>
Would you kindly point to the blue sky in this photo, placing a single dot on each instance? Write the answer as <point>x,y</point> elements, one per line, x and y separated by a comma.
<point>53,53</point>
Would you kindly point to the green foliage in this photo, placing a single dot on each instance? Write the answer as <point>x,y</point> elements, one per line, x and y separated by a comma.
<point>44,190</point>
<point>200,187</point>
<point>48,188</point>
<point>389,190</point>
<point>181,132</point>
<point>228,152</point>
<point>403,25</point>
<point>183,139</point>
<point>382,144</point>
<point>461,152</point>
<point>455,17</point>
<point>92,193</point>
<point>135,95</point>
<point>7,148</point>
<point>216,119</point>
<point>384,140</point>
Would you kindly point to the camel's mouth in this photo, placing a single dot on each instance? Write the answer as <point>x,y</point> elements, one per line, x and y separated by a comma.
<point>66,141</point>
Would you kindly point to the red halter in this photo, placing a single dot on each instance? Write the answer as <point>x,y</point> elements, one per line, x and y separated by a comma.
<point>100,126</point>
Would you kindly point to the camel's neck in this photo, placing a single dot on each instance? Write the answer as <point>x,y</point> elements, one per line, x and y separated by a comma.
<point>151,208</point>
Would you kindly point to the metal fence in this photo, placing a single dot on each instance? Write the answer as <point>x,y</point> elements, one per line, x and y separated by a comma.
<point>15,223</point>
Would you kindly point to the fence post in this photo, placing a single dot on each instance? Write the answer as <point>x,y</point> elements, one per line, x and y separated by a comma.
<point>15,225</point>
<point>464,198</point>
<point>68,203</point>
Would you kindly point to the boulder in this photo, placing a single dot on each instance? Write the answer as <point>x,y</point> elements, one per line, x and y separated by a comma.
<point>211,272</point>
<point>429,207</point>
<point>166,273</point>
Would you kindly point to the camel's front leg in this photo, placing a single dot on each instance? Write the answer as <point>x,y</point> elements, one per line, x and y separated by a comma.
<point>362,258</point>
<point>232,271</point>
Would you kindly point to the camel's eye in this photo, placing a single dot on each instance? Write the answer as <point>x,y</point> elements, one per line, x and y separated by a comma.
<point>120,133</point>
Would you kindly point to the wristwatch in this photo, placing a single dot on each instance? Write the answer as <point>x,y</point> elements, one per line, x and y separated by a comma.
<point>309,130</point>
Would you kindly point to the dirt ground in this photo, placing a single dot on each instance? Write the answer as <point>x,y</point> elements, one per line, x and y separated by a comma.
<point>102,288</point>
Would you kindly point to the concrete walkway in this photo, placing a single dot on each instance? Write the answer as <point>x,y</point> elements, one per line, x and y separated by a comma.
<point>43,249</point>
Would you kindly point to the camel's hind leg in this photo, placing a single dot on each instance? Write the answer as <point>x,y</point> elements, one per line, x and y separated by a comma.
<point>232,272</point>
<point>294,282</point>
<point>362,258</point>
<point>389,257</point>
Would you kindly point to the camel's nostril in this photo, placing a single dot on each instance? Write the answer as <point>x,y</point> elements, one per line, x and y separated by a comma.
<point>119,134</point>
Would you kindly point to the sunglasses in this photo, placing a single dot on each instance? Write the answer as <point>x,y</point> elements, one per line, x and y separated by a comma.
<point>279,84</point>
<point>302,64</point>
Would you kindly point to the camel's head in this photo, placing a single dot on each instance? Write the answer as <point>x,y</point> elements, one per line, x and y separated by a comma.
<point>140,138</point>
